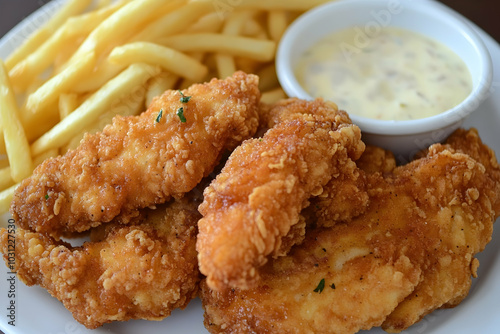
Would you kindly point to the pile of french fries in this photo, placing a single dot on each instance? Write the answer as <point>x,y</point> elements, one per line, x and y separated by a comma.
<point>96,59</point>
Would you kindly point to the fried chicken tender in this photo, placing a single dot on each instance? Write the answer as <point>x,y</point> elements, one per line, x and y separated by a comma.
<point>140,161</point>
<point>466,228</point>
<point>410,252</point>
<point>252,209</point>
<point>127,272</point>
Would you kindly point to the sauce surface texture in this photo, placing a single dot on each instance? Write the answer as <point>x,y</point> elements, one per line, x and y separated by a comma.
<point>395,74</point>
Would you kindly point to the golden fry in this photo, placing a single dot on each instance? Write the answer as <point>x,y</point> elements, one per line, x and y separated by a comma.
<point>276,24</point>
<point>159,84</point>
<point>273,96</point>
<point>71,8</point>
<point>225,63</point>
<point>6,197</point>
<point>16,142</point>
<point>117,27</point>
<point>251,48</point>
<point>208,23</point>
<point>45,155</point>
<point>5,178</point>
<point>129,106</point>
<point>154,54</point>
<point>94,106</point>
<point>61,83</point>
<point>104,72</point>
<point>67,103</point>
<point>27,69</point>
<point>175,22</point>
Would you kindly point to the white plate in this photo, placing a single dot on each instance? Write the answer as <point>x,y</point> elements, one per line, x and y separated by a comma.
<point>37,312</point>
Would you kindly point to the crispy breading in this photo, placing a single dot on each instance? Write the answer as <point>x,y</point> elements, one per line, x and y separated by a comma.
<point>252,209</point>
<point>466,219</point>
<point>139,161</point>
<point>410,252</point>
<point>143,270</point>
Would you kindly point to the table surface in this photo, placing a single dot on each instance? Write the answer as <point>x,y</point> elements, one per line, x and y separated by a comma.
<point>480,12</point>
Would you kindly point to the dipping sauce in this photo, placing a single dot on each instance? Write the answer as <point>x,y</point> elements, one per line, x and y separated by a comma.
<point>395,74</point>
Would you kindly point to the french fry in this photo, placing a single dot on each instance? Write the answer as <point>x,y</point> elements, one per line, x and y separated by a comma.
<point>6,197</point>
<point>104,72</point>
<point>97,104</point>
<point>169,59</point>
<point>208,23</point>
<point>175,22</point>
<point>159,84</point>
<point>118,27</point>
<point>131,105</point>
<point>16,143</point>
<point>44,156</point>
<point>67,103</point>
<point>5,178</point>
<point>251,48</point>
<point>40,60</point>
<point>225,63</point>
<point>40,123</point>
<point>61,83</point>
<point>273,96</point>
<point>71,8</point>
<point>276,24</point>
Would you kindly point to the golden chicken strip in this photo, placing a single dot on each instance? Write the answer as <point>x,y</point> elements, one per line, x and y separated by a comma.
<point>130,272</point>
<point>346,196</point>
<point>429,216</point>
<point>447,282</point>
<point>140,161</point>
<point>252,209</point>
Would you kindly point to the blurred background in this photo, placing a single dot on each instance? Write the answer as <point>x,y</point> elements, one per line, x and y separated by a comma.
<point>481,12</point>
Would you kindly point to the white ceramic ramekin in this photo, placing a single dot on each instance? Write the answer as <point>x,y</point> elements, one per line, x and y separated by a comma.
<point>427,17</point>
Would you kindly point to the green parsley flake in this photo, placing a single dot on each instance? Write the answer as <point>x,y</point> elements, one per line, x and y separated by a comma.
<point>160,115</point>
<point>184,99</point>
<point>180,113</point>
<point>320,286</point>
<point>332,286</point>
<point>46,196</point>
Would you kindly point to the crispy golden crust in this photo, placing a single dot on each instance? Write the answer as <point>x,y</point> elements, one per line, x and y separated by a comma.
<point>256,200</point>
<point>465,205</point>
<point>129,272</point>
<point>344,197</point>
<point>137,162</point>
<point>410,252</point>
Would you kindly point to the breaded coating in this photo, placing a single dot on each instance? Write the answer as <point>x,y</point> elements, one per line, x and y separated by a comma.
<point>140,161</point>
<point>251,210</point>
<point>466,221</point>
<point>127,272</point>
<point>344,198</point>
<point>410,252</point>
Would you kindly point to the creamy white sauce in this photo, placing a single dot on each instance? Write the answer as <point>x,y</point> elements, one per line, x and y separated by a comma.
<point>395,74</point>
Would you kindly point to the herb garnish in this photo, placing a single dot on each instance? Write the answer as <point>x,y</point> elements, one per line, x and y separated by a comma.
<point>180,113</point>
<point>332,286</point>
<point>184,99</point>
<point>320,286</point>
<point>46,196</point>
<point>160,115</point>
